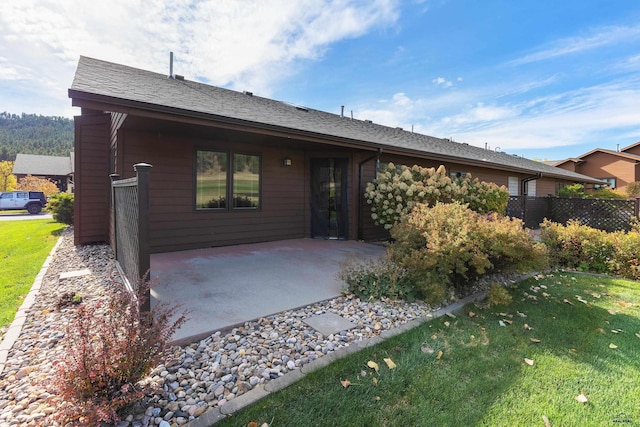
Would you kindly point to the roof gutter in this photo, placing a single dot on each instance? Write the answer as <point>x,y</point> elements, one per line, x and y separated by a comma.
<point>89,100</point>
<point>360,178</point>
<point>524,181</point>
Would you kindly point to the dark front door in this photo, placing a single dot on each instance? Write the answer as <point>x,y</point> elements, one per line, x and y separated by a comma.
<point>329,198</point>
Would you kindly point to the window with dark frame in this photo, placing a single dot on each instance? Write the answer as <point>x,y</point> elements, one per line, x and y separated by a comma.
<point>222,177</point>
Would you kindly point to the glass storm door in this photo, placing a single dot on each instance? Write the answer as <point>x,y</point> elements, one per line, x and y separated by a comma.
<point>329,198</point>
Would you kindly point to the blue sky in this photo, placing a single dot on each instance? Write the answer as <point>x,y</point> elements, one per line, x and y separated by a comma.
<point>542,79</point>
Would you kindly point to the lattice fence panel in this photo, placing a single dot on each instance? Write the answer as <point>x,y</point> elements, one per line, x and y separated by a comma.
<point>604,214</point>
<point>126,213</point>
<point>515,207</point>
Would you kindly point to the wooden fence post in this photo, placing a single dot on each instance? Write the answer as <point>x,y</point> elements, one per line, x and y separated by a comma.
<point>144,257</point>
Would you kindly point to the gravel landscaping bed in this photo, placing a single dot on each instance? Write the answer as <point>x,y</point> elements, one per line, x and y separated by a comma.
<point>196,377</point>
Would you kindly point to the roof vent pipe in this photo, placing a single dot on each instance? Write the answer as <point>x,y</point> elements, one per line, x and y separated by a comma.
<point>342,111</point>
<point>171,65</point>
<point>618,148</point>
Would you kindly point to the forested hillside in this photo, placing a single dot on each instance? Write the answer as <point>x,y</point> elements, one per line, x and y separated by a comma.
<point>34,134</point>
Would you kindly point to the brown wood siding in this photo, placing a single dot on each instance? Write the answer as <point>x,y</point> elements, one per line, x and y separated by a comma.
<point>605,165</point>
<point>545,187</point>
<point>91,208</point>
<point>174,222</point>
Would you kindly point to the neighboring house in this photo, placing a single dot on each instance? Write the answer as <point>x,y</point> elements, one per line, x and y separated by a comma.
<point>617,168</point>
<point>232,168</point>
<point>55,168</point>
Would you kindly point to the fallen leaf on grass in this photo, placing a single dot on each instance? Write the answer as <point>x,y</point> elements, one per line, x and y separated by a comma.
<point>252,424</point>
<point>378,398</point>
<point>472,314</point>
<point>447,324</point>
<point>546,295</point>
<point>527,327</point>
<point>521,314</point>
<point>566,301</point>
<point>638,334</point>
<point>373,365</point>
<point>426,349</point>
<point>390,363</point>
<point>508,321</point>
<point>375,381</point>
<point>345,383</point>
<point>616,331</point>
<point>501,323</point>
<point>546,421</point>
<point>582,398</point>
<point>602,331</point>
<point>534,340</point>
<point>612,312</point>
<point>613,346</point>
<point>363,373</point>
<point>439,355</point>
<point>528,361</point>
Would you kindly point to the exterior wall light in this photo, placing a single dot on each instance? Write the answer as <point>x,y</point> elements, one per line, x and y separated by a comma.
<point>286,162</point>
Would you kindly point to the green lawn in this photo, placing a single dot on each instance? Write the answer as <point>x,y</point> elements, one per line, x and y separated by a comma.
<point>580,336</point>
<point>24,246</point>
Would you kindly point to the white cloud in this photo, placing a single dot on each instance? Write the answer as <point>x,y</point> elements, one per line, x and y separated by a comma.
<point>571,45</point>
<point>441,81</point>
<point>250,44</point>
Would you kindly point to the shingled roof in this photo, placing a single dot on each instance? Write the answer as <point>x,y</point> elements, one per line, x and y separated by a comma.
<point>115,87</point>
<point>33,164</point>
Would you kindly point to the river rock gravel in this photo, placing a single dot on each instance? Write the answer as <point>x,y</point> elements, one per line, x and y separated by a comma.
<point>195,377</point>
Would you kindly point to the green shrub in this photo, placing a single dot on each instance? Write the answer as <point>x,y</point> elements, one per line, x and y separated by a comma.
<point>498,295</point>
<point>376,279</point>
<point>396,191</point>
<point>607,193</point>
<point>443,249</point>
<point>584,248</point>
<point>61,206</point>
<point>633,189</point>
<point>574,190</point>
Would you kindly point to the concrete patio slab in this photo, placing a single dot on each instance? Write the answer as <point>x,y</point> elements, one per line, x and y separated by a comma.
<point>227,286</point>
<point>329,323</point>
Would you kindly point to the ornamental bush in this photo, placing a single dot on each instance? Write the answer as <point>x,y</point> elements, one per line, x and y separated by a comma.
<point>61,206</point>
<point>110,346</point>
<point>376,279</point>
<point>584,248</point>
<point>446,247</point>
<point>397,190</point>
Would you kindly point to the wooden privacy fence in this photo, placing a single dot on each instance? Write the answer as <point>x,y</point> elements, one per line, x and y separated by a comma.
<point>604,214</point>
<point>130,200</point>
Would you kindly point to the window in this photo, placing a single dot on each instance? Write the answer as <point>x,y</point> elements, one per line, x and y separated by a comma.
<point>215,185</point>
<point>514,184</point>
<point>531,188</point>
<point>246,181</point>
<point>611,183</point>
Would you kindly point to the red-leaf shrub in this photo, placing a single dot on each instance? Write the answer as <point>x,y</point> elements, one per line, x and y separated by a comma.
<point>111,345</point>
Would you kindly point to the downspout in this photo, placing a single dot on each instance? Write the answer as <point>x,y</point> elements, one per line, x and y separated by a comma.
<point>360,204</point>
<point>527,179</point>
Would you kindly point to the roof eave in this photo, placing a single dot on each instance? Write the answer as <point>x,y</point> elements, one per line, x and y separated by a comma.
<point>107,103</point>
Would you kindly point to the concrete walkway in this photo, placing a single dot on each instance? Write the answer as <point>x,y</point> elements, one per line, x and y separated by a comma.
<point>227,286</point>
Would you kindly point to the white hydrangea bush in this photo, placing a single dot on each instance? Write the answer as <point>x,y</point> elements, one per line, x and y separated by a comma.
<point>398,188</point>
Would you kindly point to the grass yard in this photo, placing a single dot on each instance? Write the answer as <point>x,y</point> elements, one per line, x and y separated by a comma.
<point>565,351</point>
<point>24,246</point>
